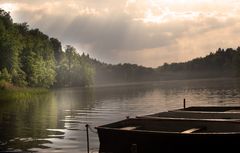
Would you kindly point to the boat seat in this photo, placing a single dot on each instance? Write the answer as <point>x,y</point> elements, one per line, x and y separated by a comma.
<point>191,130</point>
<point>129,128</point>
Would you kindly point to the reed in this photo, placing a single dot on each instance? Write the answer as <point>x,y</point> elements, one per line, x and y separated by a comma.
<point>12,93</point>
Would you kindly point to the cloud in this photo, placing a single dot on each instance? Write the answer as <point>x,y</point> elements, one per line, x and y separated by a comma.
<point>146,32</point>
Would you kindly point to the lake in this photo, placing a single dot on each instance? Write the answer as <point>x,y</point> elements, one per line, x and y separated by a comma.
<point>55,122</point>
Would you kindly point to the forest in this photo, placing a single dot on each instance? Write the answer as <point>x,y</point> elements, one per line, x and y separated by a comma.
<point>30,58</point>
<point>222,63</point>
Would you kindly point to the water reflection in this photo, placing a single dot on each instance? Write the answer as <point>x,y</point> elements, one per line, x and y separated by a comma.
<point>55,122</point>
<point>23,123</point>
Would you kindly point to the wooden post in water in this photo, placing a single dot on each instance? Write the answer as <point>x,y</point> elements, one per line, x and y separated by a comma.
<point>87,126</point>
<point>184,103</point>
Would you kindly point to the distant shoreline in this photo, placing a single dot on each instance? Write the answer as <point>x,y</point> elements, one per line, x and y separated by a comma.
<point>161,81</point>
<point>19,94</point>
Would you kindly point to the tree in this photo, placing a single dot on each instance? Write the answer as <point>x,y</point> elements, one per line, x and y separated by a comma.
<point>57,48</point>
<point>10,48</point>
<point>28,57</point>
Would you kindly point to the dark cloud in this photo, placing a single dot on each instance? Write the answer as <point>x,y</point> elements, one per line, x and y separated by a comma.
<point>108,31</point>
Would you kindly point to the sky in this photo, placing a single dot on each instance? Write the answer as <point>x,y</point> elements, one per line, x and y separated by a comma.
<point>143,32</point>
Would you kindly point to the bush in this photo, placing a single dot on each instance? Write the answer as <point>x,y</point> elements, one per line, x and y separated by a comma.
<point>4,75</point>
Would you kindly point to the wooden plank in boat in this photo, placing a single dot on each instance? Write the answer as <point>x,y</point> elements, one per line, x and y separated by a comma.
<point>128,128</point>
<point>191,130</point>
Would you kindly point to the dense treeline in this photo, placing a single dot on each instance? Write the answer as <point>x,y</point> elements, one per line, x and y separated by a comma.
<point>222,63</point>
<point>108,73</point>
<point>30,58</point>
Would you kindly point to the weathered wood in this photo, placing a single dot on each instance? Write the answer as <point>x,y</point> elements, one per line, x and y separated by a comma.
<point>209,129</point>
<point>87,126</point>
<point>153,136</point>
<point>233,110</point>
<point>129,128</point>
<point>228,115</point>
<point>191,130</point>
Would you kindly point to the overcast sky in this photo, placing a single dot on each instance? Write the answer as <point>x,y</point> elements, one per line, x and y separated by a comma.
<point>144,32</point>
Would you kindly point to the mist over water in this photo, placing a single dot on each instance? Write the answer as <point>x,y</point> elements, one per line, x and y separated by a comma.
<point>55,122</point>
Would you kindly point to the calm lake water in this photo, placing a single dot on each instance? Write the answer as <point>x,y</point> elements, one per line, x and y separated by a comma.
<point>55,122</point>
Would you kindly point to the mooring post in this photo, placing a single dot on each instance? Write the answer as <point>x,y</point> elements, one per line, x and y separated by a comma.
<point>184,103</point>
<point>87,126</point>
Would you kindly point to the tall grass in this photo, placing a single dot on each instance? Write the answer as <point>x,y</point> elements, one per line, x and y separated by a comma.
<point>8,92</point>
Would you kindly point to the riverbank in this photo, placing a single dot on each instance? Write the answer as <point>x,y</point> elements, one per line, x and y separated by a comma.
<point>8,92</point>
<point>20,93</point>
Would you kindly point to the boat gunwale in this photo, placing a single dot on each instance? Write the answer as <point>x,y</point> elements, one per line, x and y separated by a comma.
<point>169,132</point>
<point>221,116</point>
<point>199,119</point>
<point>203,112</point>
<point>165,132</point>
<point>186,111</point>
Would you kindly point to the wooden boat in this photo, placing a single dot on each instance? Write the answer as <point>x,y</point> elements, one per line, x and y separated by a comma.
<point>145,135</point>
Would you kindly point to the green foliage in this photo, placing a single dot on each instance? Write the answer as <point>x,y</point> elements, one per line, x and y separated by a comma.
<point>88,74</point>
<point>10,47</point>
<point>18,78</point>
<point>73,70</point>
<point>57,47</point>
<point>42,73</point>
<point>5,18</point>
<point>107,73</point>
<point>30,58</point>
<point>5,75</point>
<point>14,94</point>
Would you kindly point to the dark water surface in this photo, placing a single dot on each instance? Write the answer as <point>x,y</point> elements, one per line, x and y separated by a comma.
<point>55,122</point>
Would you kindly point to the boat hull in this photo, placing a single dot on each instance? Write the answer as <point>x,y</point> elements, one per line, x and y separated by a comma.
<point>119,141</point>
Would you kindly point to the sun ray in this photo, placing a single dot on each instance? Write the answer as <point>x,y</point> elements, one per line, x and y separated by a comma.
<point>9,7</point>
